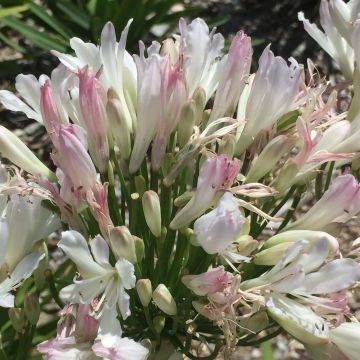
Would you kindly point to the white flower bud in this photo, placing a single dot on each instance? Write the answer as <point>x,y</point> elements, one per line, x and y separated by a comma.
<point>144,290</point>
<point>122,243</point>
<point>164,300</point>
<point>152,211</point>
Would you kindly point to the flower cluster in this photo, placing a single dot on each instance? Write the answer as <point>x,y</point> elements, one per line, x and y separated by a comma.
<point>175,181</point>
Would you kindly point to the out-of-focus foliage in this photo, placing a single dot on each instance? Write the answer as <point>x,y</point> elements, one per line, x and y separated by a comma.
<point>50,24</point>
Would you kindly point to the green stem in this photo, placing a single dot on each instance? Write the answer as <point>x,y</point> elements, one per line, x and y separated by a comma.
<point>52,288</point>
<point>329,174</point>
<point>266,350</point>
<point>291,211</point>
<point>124,189</point>
<point>319,182</point>
<point>114,207</point>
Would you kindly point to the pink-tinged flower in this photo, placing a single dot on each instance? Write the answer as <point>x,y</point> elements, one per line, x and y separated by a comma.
<point>97,199</point>
<point>216,175</point>
<point>77,172</point>
<point>28,88</point>
<point>336,18</point>
<point>202,54</point>
<point>98,276</point>
<point>93,101</point>
<point>76,332</point>
<point>114,347</point>
<point>309,152</point>
<point>212,281</point>
<point>161,95</point>
<point>267,100</point>
<point>338,204</point>
<point>233,77</point>
<point>216,230</point>
<point>302,272</point>
<point>49,111</point>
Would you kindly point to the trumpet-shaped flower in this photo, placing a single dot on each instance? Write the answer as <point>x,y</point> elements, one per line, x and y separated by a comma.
<point>233,77</point>
<point>267,100</point>
<point>216,175</point>
<point>338,204</point>
<point>117,348</point>
<point>201,51</point>
<point>216,230</point>
<point>17,262</point>
<point>335,18</point>
<point>99,278</point>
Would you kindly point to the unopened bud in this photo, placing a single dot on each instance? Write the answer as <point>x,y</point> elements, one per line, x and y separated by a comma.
<point>12,148</point>
<point>144,290</point>
<point>159,323</point>
<point>17,319</point>
<point>272,255</point>
<point>164,300</point>
<point>32,308</point>
<point>199,98</point>
<point>285,178</point>
<point>140,184</point>
<point>268,158</point>
<point>227,145</point>
<point>274,248</point>
<point>139,248</point>
<point>183,199</point>
<point>111,174</point>
<point>119,124</point>
<point>39,273</point>
<point>152,211</point>
<point>186,122</point>
<point>122,243</point>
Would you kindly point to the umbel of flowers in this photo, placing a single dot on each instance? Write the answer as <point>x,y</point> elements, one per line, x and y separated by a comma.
<point>175,181</point>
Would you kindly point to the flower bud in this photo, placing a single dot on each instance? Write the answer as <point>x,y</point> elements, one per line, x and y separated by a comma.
<point>139,248</point>
<point>199,98</point>
<point>12,148</point>
<point>164,300</point>
<point>39,273</point>
<point>140,184</point>
<point>275,247</point>
<point>111,174</point>
<point>152,211</point>
<point>268,158</point>
<point>118,124</point>
<point>17,319</point>
<point>159,323</point>
<point>122,243</point>
<point>227,145</point>
<point>32,308</point>
<point>186,122</point>
<point>272,255</point>
<point>144,290</point>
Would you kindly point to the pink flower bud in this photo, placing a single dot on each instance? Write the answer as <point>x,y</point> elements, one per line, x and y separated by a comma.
<point>93,100</point>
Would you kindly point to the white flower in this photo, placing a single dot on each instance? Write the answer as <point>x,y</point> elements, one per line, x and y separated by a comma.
<point>216,230</point>
<point>335,18</point>
<point>347,338</point>
<point>98,276</point>
<point>116,348</point>
<point>23,222</point>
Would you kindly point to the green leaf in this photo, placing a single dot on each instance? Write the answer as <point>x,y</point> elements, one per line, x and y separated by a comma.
<point>287,119</point>
<point>45,41</point>
<point>13,10</point>
<point>49,20</point>
<point>11,43</point>
<point>75,14</point>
